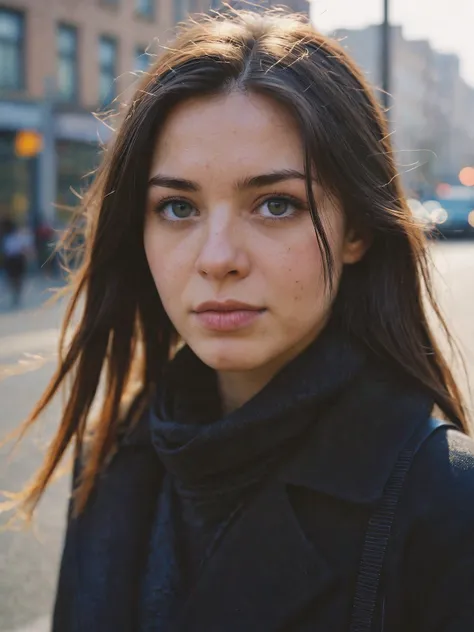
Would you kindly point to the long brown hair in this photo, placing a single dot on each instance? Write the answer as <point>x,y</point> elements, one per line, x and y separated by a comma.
<point>123,326</point>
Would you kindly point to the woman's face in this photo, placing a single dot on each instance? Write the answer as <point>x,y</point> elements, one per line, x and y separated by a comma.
<point>229,237</point>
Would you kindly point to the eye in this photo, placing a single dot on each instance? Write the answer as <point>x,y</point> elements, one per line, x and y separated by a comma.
<point>279,207</point>
<point>175,210</point>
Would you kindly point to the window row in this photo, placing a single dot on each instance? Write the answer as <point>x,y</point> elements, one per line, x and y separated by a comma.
<point>145,8</point>
<point>12,58</point>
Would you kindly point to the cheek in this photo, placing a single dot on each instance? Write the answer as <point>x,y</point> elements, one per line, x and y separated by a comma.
<point>308,283</point>
<point>300,288</point>
<point>299,277</point>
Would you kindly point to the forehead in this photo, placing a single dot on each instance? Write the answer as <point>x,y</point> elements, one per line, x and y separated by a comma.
<point>234,133</point>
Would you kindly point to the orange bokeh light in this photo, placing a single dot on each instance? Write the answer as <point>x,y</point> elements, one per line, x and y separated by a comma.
<point>466,176</point>
<point>28,143</point>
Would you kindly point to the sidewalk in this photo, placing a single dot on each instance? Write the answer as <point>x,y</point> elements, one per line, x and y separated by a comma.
<point>32,315</point>
<point>35,292</point>
<point>40,625</point>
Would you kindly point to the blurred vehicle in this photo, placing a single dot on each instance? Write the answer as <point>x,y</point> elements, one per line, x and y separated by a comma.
<point>459,218</point>
<point>451,213</point>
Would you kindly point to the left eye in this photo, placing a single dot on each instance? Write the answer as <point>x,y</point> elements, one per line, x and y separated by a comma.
<point>277,207</point>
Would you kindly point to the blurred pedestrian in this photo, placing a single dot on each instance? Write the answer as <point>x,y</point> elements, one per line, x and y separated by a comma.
<point>16,248</point>
<point>254,294</point>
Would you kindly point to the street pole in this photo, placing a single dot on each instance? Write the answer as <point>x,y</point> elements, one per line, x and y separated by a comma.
<point>385,54</point>
<point>47,158</point>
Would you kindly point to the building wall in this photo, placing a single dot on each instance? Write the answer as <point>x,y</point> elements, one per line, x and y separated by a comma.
<point>92,18</point>
<point>29,188</point>
<point>431,107</point>
<point>363,46</point>
<point>456,99</point>
<point>297,6</point>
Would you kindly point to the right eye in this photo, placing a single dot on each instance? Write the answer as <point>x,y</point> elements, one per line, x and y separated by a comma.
<point>175,210</point>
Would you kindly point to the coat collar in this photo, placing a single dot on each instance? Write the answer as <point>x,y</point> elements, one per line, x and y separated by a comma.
<point>263,573</point>
<point>264,569</point>
<point>351,451</point>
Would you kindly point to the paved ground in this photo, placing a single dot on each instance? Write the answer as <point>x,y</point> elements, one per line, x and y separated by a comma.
<point>28,561</point>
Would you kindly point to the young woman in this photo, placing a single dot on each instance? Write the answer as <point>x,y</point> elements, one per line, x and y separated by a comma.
<point>253,272</point>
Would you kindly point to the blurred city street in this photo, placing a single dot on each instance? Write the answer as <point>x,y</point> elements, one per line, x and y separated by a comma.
<point>29,560</point>
<point>68,72</point>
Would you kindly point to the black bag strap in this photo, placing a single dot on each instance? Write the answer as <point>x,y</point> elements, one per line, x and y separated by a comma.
<point>378,531</point>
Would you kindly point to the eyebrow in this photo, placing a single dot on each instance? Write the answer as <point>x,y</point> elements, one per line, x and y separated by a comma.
<point>251,182</point>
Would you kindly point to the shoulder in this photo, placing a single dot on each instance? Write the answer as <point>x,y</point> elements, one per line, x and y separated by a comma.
<point>441,479</point>
<point>435,518</point>
<point>130,460</point>
<point>433,538</point>
<point>438,496</point>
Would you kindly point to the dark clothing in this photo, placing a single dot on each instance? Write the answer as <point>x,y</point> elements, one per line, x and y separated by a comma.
<point>215,462</point>
<point>278,510</point>
<point>15,270</point>
<point>15,266</point>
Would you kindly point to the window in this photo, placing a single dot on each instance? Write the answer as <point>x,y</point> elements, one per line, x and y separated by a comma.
<point>142,59</point>
<point>107,69</point>
<point>145,8</point>
<point>67,62</point>
<point>11,50</point>
<point>75,159</point>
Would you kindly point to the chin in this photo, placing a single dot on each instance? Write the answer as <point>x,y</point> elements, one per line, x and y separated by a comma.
<point>232,355</point>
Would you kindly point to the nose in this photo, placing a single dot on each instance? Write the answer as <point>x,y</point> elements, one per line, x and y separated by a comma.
<point>223,253</point>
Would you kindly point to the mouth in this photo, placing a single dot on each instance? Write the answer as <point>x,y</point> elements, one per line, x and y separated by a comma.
<point>228,305</point>
<point>227,315</point>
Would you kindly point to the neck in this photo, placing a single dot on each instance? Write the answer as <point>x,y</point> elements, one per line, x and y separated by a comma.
<point>238,387</point>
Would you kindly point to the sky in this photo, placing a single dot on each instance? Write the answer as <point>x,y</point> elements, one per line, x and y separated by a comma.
<point>447,24</point>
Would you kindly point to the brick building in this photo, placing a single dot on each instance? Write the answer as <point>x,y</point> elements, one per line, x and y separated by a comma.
<point>60,60</point>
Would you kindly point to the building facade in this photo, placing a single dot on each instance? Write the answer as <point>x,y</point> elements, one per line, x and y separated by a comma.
<point>61,60</point>
<point>431,107</point>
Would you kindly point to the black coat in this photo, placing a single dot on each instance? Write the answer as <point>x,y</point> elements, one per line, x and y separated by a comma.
<point>290,562</point>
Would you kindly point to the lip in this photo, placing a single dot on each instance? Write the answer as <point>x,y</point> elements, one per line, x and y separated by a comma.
<point>227,315</point>
<point>228,305</point>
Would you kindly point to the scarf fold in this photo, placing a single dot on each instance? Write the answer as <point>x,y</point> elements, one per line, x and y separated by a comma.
<point>208,453</point>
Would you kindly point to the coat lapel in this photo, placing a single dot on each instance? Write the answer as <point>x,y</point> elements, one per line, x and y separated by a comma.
<point>264,570</point>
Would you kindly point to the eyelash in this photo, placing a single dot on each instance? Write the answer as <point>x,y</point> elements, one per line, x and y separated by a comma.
<point>295,202</point>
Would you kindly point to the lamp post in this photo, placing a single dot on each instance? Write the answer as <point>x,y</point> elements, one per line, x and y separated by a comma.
<point>385,54</point>
<point>47,159</point>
